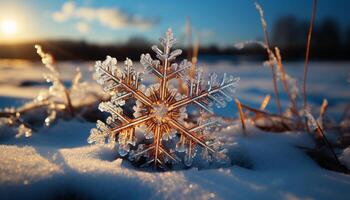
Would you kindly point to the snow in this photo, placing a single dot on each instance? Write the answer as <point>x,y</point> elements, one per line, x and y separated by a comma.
<point>16,170</point>
<point>345,157</point>
<point>270,166</point>
<point>57,163</point>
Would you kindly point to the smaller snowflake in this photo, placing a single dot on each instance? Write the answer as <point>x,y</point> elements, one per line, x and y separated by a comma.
<point>160,110</point>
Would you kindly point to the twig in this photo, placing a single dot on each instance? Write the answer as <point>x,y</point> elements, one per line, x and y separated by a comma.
<point>267,42</point>
<point>7,114</point>
<point>285,84</point>
<point>24,109</point>
<point>69,102</point>
<point>276,92</point>
<point>307,53</point>
<point>188,33</point>
<point>194,58</point>
<point>265,102</point>
<point>32,106</point>
<point>265,113</point>
<point>241,115</point>
<point>323,108</point>
<point>320,132</point>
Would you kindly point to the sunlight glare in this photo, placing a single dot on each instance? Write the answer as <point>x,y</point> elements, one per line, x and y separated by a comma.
<point>9,27</point>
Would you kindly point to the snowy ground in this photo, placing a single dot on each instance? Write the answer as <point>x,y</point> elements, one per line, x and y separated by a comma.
<point>57,163</point>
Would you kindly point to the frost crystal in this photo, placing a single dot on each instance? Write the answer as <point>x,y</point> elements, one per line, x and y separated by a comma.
<point>312,123</point>
<point>11,117</point>
<point>160,110</point>
<point>59,97</point>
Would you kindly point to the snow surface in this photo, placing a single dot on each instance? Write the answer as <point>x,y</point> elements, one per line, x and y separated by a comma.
<point>345,157</point>
<point>57,163</point>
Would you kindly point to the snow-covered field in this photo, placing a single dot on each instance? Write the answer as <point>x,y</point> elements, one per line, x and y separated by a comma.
<point>57,163</point>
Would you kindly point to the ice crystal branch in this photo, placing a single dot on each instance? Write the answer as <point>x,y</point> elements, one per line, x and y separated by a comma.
<point>160,110</point>
<point>12,117</point>
<point>59,97</point>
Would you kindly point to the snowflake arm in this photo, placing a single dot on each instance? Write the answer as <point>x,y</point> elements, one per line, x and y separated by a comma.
<point>181,128</point>
<point>215,94</point>
<point>111,78</point>
<point>179,69</point>
<point>151,65</point>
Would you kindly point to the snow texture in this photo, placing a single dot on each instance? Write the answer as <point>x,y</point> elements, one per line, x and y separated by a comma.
<point>267,166</point>
<point>345,157</point>
<point>56,162</point>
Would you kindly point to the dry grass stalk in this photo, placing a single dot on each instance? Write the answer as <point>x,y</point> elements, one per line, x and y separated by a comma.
<point>275,122</point>
<point>194,58</point>
<point>267,43</point>
<point>323,108</point>
<point>264,113</point>
<point>69,102</point>
<point>321,139</point>
<point>188,41</point>
<point>307,53</point>
<point>322,136</point>
<point>188,33</point>
<point>241,115</point>
<point>265,102</point>
<point>23,109</point>
<point>284,80</point>
<point>319,132</point>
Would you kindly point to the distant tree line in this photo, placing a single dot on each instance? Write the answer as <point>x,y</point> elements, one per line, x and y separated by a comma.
<point>328,40</point>
<point>288,33</point>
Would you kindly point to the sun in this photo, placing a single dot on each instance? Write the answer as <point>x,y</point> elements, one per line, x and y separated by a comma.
<point>8,27</point>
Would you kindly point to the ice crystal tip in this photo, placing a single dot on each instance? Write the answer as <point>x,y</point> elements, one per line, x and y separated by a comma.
<point>311,120</point>
<point>160,110</point>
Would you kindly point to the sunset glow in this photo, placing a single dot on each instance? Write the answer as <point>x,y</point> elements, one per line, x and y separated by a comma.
<point>8,27</point>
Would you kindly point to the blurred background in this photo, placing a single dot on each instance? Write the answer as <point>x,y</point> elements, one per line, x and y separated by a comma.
<point>91,29</point>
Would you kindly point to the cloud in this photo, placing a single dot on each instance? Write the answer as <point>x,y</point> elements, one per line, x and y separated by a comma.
<point>65,13</point>
<point>109,17</point>
<point>83,27</point>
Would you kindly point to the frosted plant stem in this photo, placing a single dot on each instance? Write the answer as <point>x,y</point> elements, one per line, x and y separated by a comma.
<point>285,84</point>
<point>69,102</point>
<point>194,58</point>
<point>307,53</point>
<point>267,43</point>
<point>276,91</point>
<point>241,115</point>
<point>265,113</point>
<point>324,138</point>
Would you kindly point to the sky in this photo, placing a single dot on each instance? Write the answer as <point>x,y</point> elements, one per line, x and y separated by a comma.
<point>221,22</point>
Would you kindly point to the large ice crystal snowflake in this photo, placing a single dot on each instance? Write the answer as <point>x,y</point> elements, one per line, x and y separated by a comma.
<point>160,110</point>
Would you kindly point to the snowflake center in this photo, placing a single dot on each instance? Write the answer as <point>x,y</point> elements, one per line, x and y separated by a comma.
<point>160,111</point>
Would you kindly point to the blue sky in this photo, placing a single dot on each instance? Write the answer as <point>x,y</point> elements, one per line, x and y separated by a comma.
<point>217,22</point>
